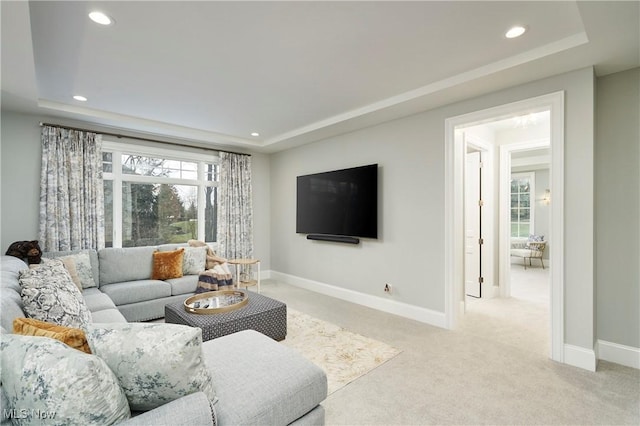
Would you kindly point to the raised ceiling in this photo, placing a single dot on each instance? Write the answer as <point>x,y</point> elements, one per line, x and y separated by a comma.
<point>296,72</point>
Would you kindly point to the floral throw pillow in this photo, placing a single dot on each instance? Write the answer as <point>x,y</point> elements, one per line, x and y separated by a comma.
<point>82,266</point>
<point>194,260</point>
<point>50,378</point>
<point>534,239</point>
<point>155,363</point>
<point>49,294</point>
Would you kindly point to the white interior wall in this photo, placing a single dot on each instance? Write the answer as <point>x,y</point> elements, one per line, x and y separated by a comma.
<point>617,211</point>
<point>408,252</point>
<point>411,154</point>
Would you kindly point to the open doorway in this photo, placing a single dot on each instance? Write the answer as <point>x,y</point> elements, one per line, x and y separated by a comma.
<point>455,129</point>
<point>522,146</point>
<point>523,209</point>
<point>527,209</point>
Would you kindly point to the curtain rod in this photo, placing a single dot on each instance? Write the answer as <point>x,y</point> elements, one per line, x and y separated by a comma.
<point>138,138</point>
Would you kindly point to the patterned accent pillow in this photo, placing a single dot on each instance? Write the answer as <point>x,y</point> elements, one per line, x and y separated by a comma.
<point>49,294</point>
<point>73,337</point>
<point>84,272</point>
<point>69,386</point>
<point>155,363</point>
<point>70,266</point>
<point>534,239</point>
<point>167,264</point>
<point>194,260</point>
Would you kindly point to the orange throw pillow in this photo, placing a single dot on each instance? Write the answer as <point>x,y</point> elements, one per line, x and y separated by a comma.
<point>73,337</point>
<point>167,264</point>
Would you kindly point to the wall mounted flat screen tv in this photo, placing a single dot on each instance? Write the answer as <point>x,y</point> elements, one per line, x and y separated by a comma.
<point>340,202</point>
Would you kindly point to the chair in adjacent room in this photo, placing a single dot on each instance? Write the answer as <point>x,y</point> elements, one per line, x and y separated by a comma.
<point>533,249</point>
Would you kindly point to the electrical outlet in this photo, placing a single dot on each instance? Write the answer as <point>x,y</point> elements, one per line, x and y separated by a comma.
<point>388,288</point>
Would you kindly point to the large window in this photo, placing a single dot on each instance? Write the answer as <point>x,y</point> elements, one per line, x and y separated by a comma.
<point>156,196</point>
<point>521,197</point>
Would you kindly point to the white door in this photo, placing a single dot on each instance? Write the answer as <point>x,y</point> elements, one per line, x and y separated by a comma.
<point>472,226</point>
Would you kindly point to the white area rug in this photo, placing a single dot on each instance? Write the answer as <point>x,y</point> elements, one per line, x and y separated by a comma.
<point>343,355</point>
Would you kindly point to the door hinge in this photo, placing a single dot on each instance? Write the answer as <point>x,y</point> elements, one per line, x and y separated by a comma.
<point>481,241</point>
<point>480,203</point>
<point>480,164</point>
<point>481,280</point>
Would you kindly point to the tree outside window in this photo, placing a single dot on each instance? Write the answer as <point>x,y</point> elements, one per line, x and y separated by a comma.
<point>159,200</point>
<point>521,197</point>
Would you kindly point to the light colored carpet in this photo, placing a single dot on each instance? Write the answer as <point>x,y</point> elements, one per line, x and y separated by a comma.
<point>343,355</point>
<point>494,369</point>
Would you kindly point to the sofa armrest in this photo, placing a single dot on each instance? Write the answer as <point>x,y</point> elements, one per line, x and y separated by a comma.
<point>193,409</point>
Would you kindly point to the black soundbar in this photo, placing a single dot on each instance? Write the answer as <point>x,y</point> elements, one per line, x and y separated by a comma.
<point>334,238</point>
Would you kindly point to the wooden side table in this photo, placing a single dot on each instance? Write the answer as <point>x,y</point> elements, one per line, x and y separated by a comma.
<point>250,280</point>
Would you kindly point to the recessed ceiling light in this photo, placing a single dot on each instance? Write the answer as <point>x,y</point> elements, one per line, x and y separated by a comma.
<point>514,32</point>
<point>255,134</point>
<point>100,18</point>
<point>80,98</point>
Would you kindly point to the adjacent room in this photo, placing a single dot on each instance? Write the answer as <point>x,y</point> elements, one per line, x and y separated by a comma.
<point>313,212</point>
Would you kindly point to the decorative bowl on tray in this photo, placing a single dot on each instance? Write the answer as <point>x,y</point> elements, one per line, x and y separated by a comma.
<point>216,302</point>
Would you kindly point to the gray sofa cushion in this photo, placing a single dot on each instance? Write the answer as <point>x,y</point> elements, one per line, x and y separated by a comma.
<point>277,385</point>
<point>11,267</point>
<point>10,302</point>
<point>183,285</point>
<point>125,264</point>
<point>123,293</point>
<point>194,409</point>
<point>97,300</point>
<point>149,309</point>
<point>108,316</point>
<point>10,280</point>
<point>10,308</point>
<point>314,417</point>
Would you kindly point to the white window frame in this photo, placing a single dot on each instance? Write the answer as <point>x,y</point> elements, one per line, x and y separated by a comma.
<point>118,149</point>
<point>532,192</point>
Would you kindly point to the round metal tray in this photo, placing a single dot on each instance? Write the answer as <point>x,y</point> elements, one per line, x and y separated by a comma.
<point>216,302</point>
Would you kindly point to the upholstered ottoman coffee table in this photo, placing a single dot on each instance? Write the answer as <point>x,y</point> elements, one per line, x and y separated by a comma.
<point>263,314</point>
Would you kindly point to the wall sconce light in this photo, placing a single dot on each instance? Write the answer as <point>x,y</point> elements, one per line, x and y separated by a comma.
<point>546,198</point>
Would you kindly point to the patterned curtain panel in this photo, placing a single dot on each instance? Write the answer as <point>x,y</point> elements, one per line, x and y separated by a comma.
<point>71,192</point>
<point>235,209</point>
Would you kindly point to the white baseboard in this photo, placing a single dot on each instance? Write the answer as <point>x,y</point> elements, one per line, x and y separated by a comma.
<point>413,312</point>
<point>573,355</point>
<point>580,357</point>
<point>620,354</point>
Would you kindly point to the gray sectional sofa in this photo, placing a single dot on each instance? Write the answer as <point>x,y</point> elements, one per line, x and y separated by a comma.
<point>257,380</point>
<point>124,275</point>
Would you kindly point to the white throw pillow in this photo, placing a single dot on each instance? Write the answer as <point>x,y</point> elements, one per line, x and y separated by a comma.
<point>49,294</point>
<point>155,363</point>
<point>194,260</point>
<point>48,382</point>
